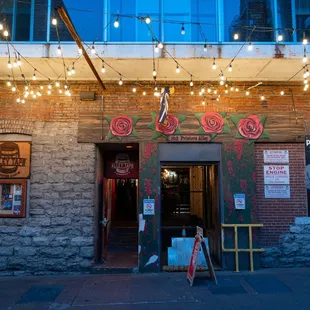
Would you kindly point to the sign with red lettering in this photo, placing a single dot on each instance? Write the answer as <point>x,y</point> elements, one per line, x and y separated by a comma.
<point>121,165</point>
<point>276,174</point>
<point>193,262</point>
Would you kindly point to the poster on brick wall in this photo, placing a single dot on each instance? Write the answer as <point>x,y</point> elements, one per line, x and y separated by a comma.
<point>277,191</point>
<point>276,156</point>
<point>307,145</point>
<point>276,174</point>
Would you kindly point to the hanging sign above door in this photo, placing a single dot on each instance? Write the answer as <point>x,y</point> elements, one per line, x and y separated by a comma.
<point>121,165</point>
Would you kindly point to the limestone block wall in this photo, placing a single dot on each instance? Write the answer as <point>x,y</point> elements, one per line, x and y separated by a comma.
<point>293,249</point>
<point>58,231</point>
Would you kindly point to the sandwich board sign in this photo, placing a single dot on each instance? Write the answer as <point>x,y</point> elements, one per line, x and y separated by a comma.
<point>198,244</point>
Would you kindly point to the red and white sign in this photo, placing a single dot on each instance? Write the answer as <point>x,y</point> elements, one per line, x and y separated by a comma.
<point>277,191</point>
<point>276,156</point>
<point>121,165</point>
<point>276,174</point>
<point>193,262</point>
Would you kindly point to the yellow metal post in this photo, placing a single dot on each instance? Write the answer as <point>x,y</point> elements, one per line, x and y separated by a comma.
<point>236,248</point>
<point>251,249</point>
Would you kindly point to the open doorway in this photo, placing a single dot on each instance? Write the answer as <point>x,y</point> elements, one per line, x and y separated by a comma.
<point>119,224</point>
<point>190,198</point>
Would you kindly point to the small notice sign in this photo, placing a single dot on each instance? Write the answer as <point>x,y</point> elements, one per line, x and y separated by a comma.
<point>276,156</point>
<point>239,200</point>
<point>148,206</point>
<point>189,138</point>
<point>277,174</point>
<point>277,191</point>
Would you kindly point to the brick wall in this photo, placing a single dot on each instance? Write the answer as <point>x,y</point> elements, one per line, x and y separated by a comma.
<point>278,214</point>
<point>121,98</point>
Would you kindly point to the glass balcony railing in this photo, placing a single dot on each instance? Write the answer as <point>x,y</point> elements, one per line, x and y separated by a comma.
<point>180,21</point>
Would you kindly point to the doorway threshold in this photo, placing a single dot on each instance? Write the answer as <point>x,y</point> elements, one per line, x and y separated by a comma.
<point>102,269</point>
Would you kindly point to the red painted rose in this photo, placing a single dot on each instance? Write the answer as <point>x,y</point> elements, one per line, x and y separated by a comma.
<point>169,126</point>
<point>121,126</point>
<point>250,127</point>
<point>212,122</point>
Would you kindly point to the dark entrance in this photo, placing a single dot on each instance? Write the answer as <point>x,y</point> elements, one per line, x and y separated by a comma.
<point>119,224</point>
<point>189,198</point>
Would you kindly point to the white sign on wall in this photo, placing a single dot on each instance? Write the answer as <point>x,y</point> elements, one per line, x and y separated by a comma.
<point>148,206</point>
<point>276,156</point>
<point>276,174</point>
<point>239,201</point>
<point>277,191</point>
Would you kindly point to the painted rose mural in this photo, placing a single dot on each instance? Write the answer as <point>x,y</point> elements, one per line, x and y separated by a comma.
<point>212,123</point>
<point>122,126</point>
<point>171,126</point>
<point>250,127</point>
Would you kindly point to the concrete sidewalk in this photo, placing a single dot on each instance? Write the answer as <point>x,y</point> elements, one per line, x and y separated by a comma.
<point>265,289</point>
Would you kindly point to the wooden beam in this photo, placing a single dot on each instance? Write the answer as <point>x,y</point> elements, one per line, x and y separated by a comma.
<point>65,18</point>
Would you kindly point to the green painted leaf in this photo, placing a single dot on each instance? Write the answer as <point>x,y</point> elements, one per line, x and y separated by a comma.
<point>226,129</point>
<point>110,135</point>
<point>213,136</point>
<point>263,119</point>
<point>201,131</point>
<point>265,135</point>
<point>236,118</point>
<point>154,115</point>
<point>177,131</point>
<point>151,126</point>
<point>198,116</point>
<point>223,114</point>
<point>156,135</point>
<point>181,118</point>
<point>134,133</point>
<point>135,120</point>
<point>119,138</point>
<point>238,136</point>
<point>109,118</point>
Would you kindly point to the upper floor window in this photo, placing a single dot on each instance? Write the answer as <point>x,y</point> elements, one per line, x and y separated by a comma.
<point>17,15</point>
<point>302,18</point>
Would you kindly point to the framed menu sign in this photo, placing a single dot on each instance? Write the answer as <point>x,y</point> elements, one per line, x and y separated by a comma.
<point>14,160</point>
<point>13,198</point>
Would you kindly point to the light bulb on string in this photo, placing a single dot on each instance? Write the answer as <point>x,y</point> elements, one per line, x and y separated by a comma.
<point>54,21</point>
<point>214,65</point>
<point>23,101</point>
<point>209,90</point>
<point>215,92</point>
<point>203,102</point>
<point>31,92</point>
<point>305,81</point>
<point>305,58</point>
<point>177,70</point>
<point>205,47</point>
<point>280,37</point>
<point>192,92</point>
<point>281,92</point>
<point>57,84</point>
<point>13,89</point>
<point>34,77</point>
<point>49,92</point>
<point>49,86</point>
<point>15,63</point>
<point>66,86</point>
<point>102,68</point>
<point>304,41</point>
<point>116,23</point>
<point>160,45</point>
<point>156,49</point>
<point>262,97</point>
<point>222,77</point>
<point>59,50</point>
<point>154,72</point>
<point>73,70</point>
<point>222,83</point>
<point>134,89</point>
<point>202,89</point>
<point>8,83</point>
<point>237,89</point>
<point>10,65</point>
<point>217,99</point>
<point>230,68</point>
<point>19,63</point>
<point>307,73</point>
<point>69,72</point>
<point>247,93</point>
<point>183,30</point>
<point>18,100</point>
<point>144,93</point>
<point>250,47</point>
<point>60,91</point>
<point>226,91</point>
<point>120,82</point>
<point>80,51</point>
<point>39,94</point>
<point>93,50</point>
<point>147,20</point>
<point>191,83</point>
<point>236,36</point>
<point>41,87</point>
<point>5,33</point>
<point>1,26</point>
<point>200,93</point>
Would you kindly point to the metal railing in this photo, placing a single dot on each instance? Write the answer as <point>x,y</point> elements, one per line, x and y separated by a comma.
<point>236,249</point>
